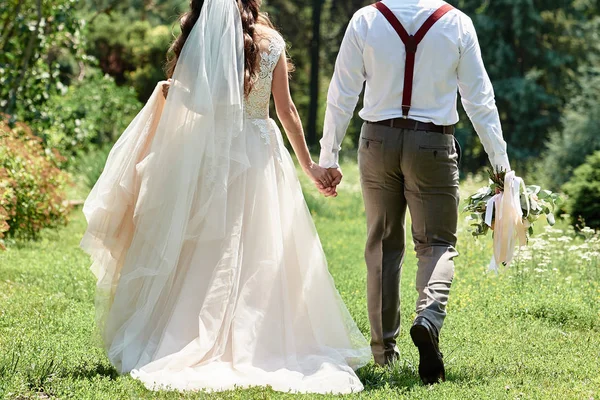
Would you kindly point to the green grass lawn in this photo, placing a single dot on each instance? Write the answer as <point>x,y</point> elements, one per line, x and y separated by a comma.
<point>531,332</point>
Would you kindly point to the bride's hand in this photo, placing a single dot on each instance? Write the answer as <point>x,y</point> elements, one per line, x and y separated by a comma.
<point>319,175</point>
<point>165,87</point>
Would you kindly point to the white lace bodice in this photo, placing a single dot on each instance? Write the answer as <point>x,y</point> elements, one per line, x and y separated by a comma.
<point>257,102</point>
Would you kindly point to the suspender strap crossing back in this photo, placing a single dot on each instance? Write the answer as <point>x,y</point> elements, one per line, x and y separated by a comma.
<point>410,43</point>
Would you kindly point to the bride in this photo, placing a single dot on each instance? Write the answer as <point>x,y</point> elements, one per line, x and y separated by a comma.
<point>210,271</point>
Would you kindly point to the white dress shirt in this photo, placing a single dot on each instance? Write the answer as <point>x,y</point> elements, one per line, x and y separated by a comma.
<point>448,58</point>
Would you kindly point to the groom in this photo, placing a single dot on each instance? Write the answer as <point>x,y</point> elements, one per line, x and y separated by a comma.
<point>413,55</point>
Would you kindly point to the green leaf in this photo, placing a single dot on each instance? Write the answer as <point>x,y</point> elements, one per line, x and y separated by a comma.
<point>524,205</point>
<point>560,200</point>
<point>546,210</point>
<point>544,194</point>
<point>481,193</point>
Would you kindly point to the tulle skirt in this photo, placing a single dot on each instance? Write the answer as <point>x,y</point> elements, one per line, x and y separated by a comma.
<point>253,307</point>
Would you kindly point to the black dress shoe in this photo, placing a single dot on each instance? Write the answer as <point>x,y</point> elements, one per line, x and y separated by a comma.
<point>431,365</point>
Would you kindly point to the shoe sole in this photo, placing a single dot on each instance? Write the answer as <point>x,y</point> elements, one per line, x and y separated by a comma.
<point>431,365</point>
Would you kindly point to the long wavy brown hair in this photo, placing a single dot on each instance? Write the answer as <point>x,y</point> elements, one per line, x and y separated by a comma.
<point>251,16</point>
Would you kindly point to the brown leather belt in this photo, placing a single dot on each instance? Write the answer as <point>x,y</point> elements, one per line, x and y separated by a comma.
<point>405,123</point>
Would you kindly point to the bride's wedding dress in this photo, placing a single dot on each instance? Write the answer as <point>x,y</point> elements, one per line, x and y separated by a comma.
<point>218,293</point>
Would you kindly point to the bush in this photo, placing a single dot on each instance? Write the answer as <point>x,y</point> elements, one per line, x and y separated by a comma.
<point>92,112</point>
<point>89,166</point>
<point>32,188</point>
<point>149,49</point>
<point>132,51</point>
<point>567,149</point>
<point>584,193</point>
<point>580,136</point>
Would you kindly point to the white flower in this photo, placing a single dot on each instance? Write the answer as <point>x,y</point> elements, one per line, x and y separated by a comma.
<point>549,229</point>
<point>524,255</point>
<point>538,245</point>
<point>541,264</point>
<point>587,230</point>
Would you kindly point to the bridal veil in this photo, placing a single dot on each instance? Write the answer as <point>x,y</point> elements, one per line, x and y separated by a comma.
<point>166,179</point>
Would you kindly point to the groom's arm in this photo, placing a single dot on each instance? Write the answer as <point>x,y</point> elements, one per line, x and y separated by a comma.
<point>344,89</point>
<point>477,96</point>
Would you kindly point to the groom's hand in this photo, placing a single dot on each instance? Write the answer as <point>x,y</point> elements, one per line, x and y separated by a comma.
<point>336,175</point>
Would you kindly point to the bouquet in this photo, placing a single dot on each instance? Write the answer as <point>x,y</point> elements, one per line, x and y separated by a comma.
<point>510,209</point>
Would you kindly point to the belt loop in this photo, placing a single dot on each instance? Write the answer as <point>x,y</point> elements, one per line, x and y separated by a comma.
<point>416,126</point>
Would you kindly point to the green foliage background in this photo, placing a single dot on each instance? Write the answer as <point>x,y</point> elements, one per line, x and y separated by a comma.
<point>543,58</point>
<point>74,73</point>
<point>584,193</point>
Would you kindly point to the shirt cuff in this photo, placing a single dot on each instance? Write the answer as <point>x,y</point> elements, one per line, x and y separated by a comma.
<point>329,159</point>
<point>500,161</point>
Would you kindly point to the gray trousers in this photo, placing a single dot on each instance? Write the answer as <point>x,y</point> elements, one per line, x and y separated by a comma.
<point>403,168</point>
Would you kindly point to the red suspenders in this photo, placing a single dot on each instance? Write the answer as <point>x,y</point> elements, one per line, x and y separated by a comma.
<point>410,43</point>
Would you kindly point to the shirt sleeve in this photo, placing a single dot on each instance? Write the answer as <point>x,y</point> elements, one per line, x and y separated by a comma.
<point>477,96</point>
<point>344,89</point>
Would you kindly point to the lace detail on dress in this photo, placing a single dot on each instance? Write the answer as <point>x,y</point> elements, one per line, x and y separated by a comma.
<point>263,125</point>
<point>268,60</point>
<point>266,132</point>
<point>257,102</point>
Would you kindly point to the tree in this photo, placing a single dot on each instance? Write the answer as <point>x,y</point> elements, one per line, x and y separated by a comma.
<point>40,46</point>
<point>567,148</point>
<point>314,63</point>
<point>532,50</point>
<point>156,12</point>
<point>133,52</point>
<point>315,59</point>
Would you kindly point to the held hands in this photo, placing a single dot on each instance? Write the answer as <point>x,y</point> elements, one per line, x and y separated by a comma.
<point>325,179</point>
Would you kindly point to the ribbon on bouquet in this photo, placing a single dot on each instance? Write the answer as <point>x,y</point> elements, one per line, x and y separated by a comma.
<point>509,229</point>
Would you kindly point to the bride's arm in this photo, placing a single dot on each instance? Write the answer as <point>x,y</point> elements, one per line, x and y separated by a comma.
<point>288,115</point>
